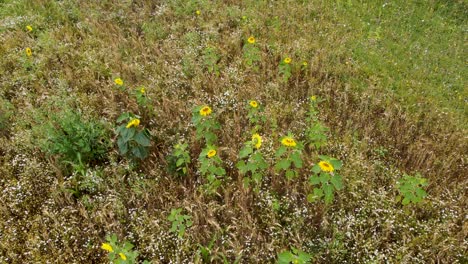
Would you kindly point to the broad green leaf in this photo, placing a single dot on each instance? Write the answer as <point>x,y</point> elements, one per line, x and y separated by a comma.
<point>280,151</point>
<point>245,152</point>
<point>314,180</point>
<point>179,162</point>
<point>337,182</point>
<point>123,146</point>
<point>336,164</point>
<point>284,164</point>
<point>290,174</point>
<point>285,257</point>
<point>316,168</point>
<point>122,117</point>
<point>328,191</point>
<point>406,201</point>
<point>296,158</point>
<point>142,139</point>
<point>128,133</point>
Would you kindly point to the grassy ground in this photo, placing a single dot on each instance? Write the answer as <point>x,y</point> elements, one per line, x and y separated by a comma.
<point>390,77</point>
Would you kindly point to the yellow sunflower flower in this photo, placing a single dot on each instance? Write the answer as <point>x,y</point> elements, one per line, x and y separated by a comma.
<point>211,153</point>
<point>118,81</point>
<point>313,98</point>
<point>142,90</point>
<point>257,140</point>
<point>305,64</point>
<point>251,40</point>
<point>107,247</point>
<point>288,142</point>
<point>122,256</point>
<point>29,28</point>
<point>326,166</point>
<point>28,52</point>
<point>134,122</point>
<point>253,104</point>
<point>206,110</point>
<point>198,12</point>
<point>287,60</point>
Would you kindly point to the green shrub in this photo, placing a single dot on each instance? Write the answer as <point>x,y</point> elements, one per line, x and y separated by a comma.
<point>73,138</point>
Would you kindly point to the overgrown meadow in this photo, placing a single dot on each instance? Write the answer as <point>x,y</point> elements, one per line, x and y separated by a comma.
<point>195,131</point>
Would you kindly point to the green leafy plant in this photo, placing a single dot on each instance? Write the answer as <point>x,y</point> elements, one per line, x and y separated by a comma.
<point>294,256</point>
<point>325,179</point>
<point>285,69</point>
<point>289,156</point>
<point>120,253</point>
<point>133,140</point>
<point>179,221</point>
<point>411,189</point>
<point>210,167</point>
<point>119,84</point>
<point>252,162</point>
<point>141,98</point>
<point>210,60</point>
<point>316,132</point>
<point>205,124</point>
<point>73,138</point>
<point>179,159</point>
<point>251,52</point>
<point>254,114</point>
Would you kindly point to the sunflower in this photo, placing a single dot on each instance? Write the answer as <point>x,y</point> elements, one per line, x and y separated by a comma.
<point>326,166</point>
<point>118,81</point>
<point>198,12</point>
<point>134,122</point>
<point>206,110</point>
<point>107,247</point>
<point>288,142</point>
<point>142,90</point>
<point>257,140</point>
<point>251,40</point>
<point>253,104</point>
<point>313,98</point>
<point>28,52</point>
<point>304,63</point>
<point>211,153</point>
<point>29,28</point>
<point>287,60</point>
<point>122,256</point>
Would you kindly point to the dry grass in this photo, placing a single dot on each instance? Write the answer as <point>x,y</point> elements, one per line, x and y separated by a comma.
<point>79,47</point>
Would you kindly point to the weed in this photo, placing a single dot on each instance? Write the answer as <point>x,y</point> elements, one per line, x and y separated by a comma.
<point>180,222</point>
<point>411,189</point>
<point>73,138</point>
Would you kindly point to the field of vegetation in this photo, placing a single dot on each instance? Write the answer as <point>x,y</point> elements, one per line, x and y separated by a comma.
<point>197,131</point>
